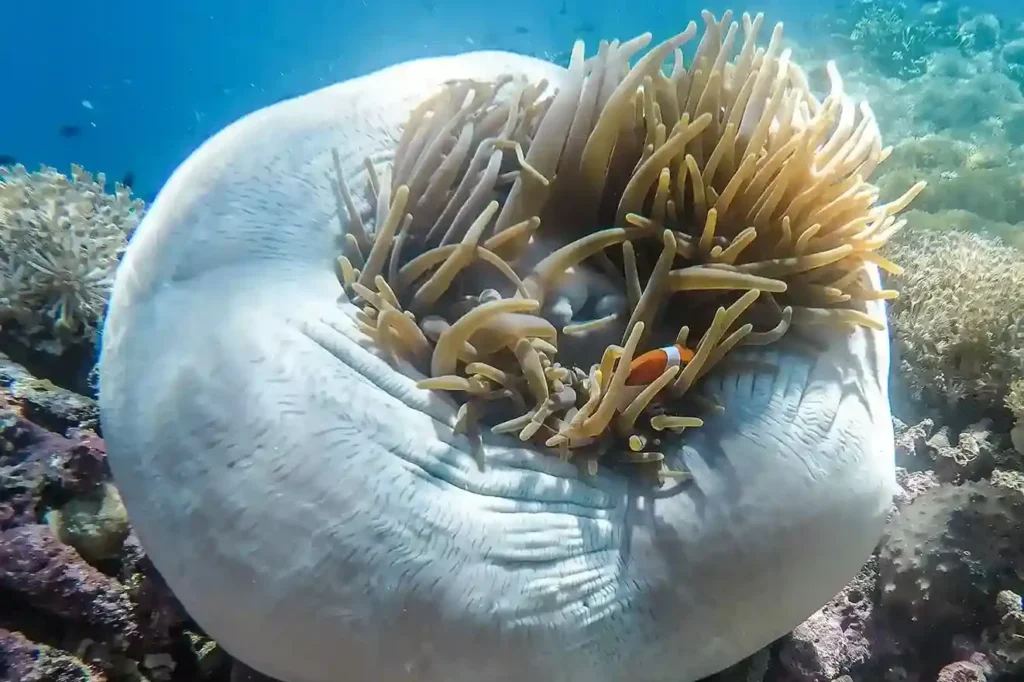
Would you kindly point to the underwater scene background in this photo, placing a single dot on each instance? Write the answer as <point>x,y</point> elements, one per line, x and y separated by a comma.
<point>129,91</point>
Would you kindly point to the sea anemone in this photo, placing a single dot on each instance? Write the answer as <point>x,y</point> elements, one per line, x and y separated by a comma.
<point>531,247</point>
<point>312,508</point>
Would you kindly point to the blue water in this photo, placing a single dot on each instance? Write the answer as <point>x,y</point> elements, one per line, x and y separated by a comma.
<point>161,77</point>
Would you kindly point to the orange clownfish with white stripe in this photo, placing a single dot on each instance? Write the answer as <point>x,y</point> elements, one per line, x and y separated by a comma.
<point>646,368</point>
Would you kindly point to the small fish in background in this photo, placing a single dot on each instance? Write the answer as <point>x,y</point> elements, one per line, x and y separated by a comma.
<point>522,30</point>
<point>428,5</point>
<point>585,28</point>
<point>563,10</point>
<point>128,180</point>
<point>7,160</point>
<point>69,130</point>
<point>87,104</point>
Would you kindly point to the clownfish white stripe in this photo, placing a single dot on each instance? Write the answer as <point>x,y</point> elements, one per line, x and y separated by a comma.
<point>673,358</point>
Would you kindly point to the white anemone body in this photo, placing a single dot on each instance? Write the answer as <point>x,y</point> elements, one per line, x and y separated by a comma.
<point>315,514</point>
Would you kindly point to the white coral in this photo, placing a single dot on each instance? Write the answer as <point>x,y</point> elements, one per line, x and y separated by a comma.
<point>61,239</point>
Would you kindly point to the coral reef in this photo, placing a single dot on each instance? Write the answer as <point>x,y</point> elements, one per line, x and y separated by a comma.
<point>940,600</point>
<point>60,240</point>
<point>895,39</point>
<point>947,553</point>
<point>959,321</point>
<point>81,601</point>
<point>958,123</point>
<point>1015,403</point>
<point>23,660</point>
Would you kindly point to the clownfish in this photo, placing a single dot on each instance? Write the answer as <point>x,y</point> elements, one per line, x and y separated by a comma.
<point>646,368</point>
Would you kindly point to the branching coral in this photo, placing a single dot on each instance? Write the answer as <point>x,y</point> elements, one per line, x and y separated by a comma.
<point>959,320</point>
<point>60,241</point>
<point>720,203</point>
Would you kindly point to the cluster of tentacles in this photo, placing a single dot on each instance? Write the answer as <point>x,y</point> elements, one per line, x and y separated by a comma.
<point>531,247</point>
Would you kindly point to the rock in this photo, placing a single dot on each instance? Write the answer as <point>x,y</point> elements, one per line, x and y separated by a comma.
<point>971,457</point>
<point>42,469</point>
<point>65,619</point>
<point>910,442</point>
<point>1012,57</point>
<point>52,577</point>
<point>841,637</point>
<point>913,484</point>
<point>22,660</point>
<point>1004,641</point>
<point>818,650</point>
<point>1012,480</point>
<point>946,552</point>
<point>157,612</point>
<point>44,403</point>
<point>94,524</point>
<point>211,659</point>
<point>975,670</point>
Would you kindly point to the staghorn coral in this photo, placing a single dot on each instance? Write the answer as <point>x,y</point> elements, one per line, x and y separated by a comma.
<point>959,320</point>
<point>726,189</point>
<point>60,240</point>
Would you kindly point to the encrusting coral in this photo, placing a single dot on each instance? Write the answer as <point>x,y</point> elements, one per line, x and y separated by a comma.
<point>625,214</point>
<point>60,240</point>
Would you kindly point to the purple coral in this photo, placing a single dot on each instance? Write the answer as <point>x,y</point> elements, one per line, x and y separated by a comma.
<point>51,576</point>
